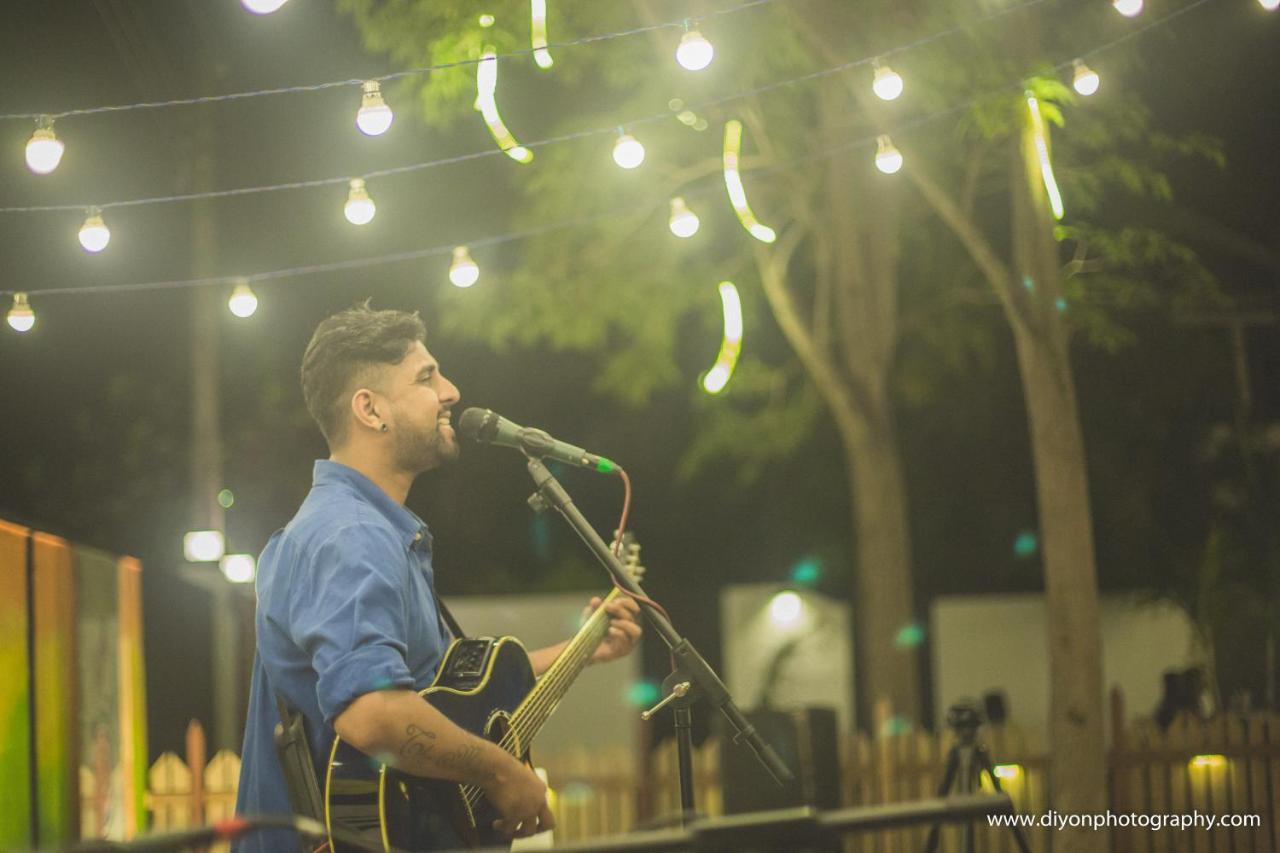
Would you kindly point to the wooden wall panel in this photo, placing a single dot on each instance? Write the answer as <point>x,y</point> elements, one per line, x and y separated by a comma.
<point>15,690</point>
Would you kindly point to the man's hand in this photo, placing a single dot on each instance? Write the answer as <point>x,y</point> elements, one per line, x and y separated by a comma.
<point>521,798</point>
<point>624,630</point>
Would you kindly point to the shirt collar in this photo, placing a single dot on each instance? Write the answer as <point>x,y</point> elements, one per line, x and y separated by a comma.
<point>411,528</point>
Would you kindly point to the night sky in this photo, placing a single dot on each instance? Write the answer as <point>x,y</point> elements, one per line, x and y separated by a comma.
<point>97,408</point>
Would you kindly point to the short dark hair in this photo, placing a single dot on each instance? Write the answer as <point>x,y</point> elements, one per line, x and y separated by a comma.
<point>343,347</point>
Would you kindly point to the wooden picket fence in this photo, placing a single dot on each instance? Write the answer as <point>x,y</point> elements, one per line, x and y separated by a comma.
<point>1230,765</point>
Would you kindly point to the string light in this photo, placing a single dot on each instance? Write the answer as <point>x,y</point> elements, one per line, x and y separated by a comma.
<point>1128,8</point>
<point>487,104</point>
<point>627,151</point>
<point>262,7</point>
<point>21,318</point>
<point>94,233</point>
<point>487,20</point>
<point>695,52</point>
<point>541,55</point>
<point>374,116</point>
<point>463,272</point>
<point>888,158</point>
<point>44,149</point>
<point>1042,153</point>
<point>243,302</point>
<point>359,208</point>
<point>721,372</point>
<point>1085,79</point>
<point>733,183</point>
<point>887,83</point>
<point>683,222</point>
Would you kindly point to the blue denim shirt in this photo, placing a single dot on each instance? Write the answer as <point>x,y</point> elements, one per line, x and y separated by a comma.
<point>346,606</point>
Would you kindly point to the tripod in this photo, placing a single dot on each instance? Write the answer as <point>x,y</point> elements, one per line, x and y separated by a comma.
<point>965,763</point>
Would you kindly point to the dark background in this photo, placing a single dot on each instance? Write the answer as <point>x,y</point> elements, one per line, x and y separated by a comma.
<point>96,399</point>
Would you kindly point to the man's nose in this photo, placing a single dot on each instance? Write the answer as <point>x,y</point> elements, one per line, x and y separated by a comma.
<point>450,395</point>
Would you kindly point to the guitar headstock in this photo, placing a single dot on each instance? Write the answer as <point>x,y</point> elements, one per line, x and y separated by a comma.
<point>629,554</point>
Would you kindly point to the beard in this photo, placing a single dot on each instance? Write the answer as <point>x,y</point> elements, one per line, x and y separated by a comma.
<point>422,451</point>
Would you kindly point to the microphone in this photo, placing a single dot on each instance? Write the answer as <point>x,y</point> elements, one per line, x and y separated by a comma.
<point>485,426</point>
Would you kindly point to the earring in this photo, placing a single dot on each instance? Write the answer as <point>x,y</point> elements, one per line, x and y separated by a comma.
<point>384,427</point>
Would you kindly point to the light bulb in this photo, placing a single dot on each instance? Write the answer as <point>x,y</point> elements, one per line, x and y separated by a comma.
<point>359,209</point>
<point>888,160</point>
<point>21,318</point>
<point>94,234</point>
<point>463,272</point>
<point>242,302</point>
<point>1270,5</point>
<point>262,7</point>
<point>1128,8</point>
<point>44,149</point>
<point>203,546</point>
<point>239,568</point>
<point>1086,79</point>
<point>695,52</point>
<point>887,83</point>
<point>374,116</point>
<point>627,151</point>
<point>683,222</point>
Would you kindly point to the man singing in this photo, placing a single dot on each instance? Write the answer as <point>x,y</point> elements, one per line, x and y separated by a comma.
<point>348,628</point>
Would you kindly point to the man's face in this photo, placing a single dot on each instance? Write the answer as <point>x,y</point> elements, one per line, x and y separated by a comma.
<point>421,398</point>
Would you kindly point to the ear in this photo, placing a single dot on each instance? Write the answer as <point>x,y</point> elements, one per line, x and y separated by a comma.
<point>364,408</point>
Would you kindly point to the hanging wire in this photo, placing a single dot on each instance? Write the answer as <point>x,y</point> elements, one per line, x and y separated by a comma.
<point>489,152</point>
<point>411,72</point>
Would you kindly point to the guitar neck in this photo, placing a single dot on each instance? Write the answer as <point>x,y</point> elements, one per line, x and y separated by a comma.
<point>535,710</point>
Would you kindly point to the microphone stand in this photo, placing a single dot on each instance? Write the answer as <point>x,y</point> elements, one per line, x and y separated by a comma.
<point>692,679</point>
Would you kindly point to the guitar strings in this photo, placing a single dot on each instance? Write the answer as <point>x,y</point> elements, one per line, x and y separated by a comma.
<point>540,710</point>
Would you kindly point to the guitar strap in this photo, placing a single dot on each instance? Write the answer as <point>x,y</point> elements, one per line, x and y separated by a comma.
<point>454,627</point>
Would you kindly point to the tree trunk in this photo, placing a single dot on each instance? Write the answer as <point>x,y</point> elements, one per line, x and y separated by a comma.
<point>1078,771</point>
<point>887,650</point>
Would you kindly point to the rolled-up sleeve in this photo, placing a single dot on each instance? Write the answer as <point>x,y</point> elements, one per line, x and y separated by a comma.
<point>350,615</point>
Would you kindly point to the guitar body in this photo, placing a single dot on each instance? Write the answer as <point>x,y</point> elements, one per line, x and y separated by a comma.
<point>479,686</point>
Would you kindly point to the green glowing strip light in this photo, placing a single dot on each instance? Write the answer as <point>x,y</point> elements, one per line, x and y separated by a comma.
<point>733,183</point>
<point>718,376</point>
<point>541,55</point>
<point>487,104</point>
<point>1042,151</point>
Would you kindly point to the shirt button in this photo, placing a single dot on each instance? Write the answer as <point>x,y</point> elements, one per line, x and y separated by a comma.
<point>417,537</point>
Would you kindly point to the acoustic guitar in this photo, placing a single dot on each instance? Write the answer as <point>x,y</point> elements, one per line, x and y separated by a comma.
<point>486,686</point>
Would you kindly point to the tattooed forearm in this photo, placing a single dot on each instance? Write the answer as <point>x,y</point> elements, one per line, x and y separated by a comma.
<point>418,745</point>
<point>467,762</point>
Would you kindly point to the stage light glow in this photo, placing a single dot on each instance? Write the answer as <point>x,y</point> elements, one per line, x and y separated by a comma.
<point>203,546</point>
<point>785,609</point>
<point>1128,8</point>
<point>239,568</point>
<point>44,148</point>
<point>737,192</point>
